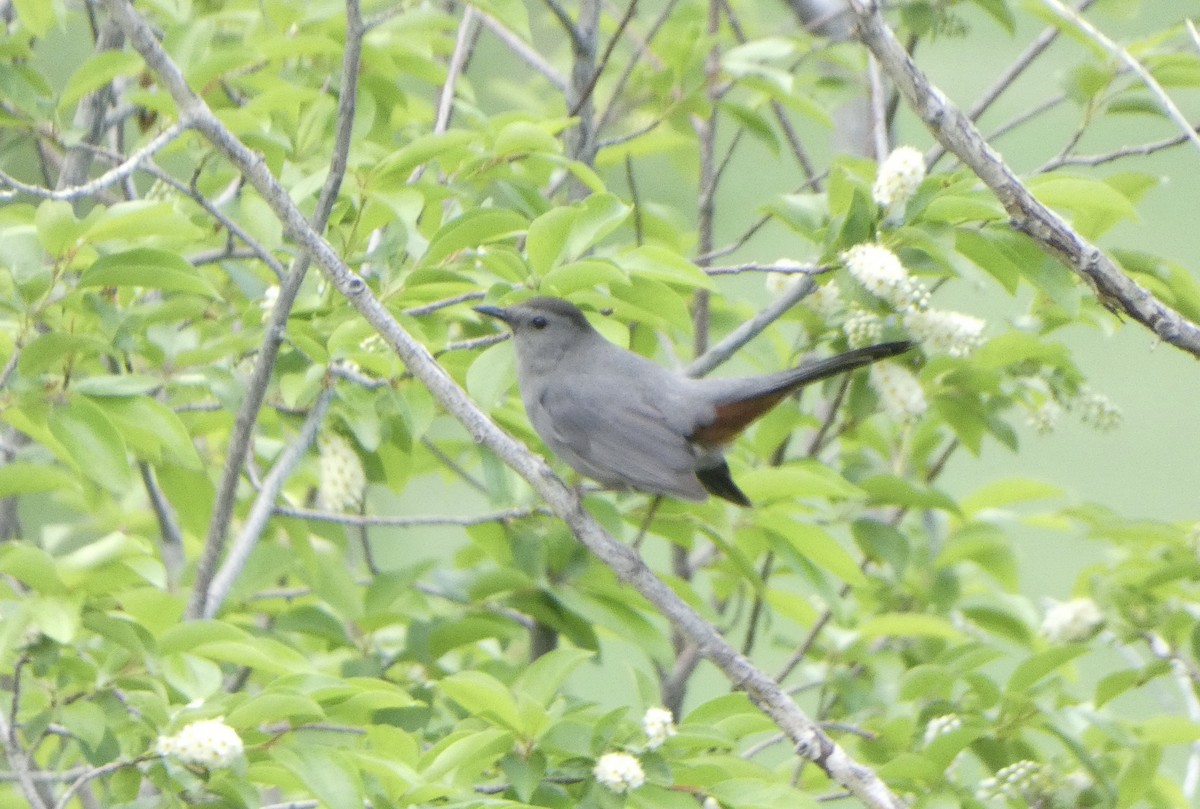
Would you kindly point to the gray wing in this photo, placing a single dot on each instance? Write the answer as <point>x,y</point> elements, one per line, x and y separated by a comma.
<point>626,441</point>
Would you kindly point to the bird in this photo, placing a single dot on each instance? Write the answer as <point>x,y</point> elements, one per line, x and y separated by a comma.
<point>631,424</point>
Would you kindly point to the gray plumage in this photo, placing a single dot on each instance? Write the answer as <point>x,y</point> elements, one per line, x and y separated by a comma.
<point>628,423</point>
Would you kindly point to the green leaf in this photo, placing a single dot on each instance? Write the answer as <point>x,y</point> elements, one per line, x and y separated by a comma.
<point>999,11</point>
<point>327,772</point>
<point>97,71</point>
<point>661,264</point>
<point>32,566</point>
<point>599,215</point>
<point>37,16</point>
<point>882,542</point>
<point>57,227</point>
<point>56,617</point>
<point>85,720</point>
<point>798,479</point>
<point>93,445</point>
<point>1169,730</point>
<point>900,492</point>
<point>474,228</point>
<point>30,478</point>
<point>813,543</point>
<point>272,706</point>
<point>472,752</point>
<point>116,385</point>
<point>400,164</point>
<point>482,695</point>
<point>1094,206</point>
<point>263,654</point>
<point>1007,492</point>
<point>582,274</point>
<point>909,624</point>
<point>525,137</point>
<point>1041,665</point>
<point>52,351</point>
<point>150,268</point>
<point>542,679</point>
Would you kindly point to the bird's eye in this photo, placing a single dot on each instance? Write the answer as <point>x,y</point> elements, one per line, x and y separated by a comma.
<point>538,322</point>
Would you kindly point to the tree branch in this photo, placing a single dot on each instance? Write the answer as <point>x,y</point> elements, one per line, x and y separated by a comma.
<point>264,506</point>
<point>956,132</point>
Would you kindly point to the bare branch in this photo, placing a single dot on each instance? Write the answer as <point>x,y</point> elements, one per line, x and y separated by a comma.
<point>109,178</point>
<point>264,506</point>
<point>782,267</point>
<point>18,757</point>
<point>407,522</point>
<point>1006,79</point>
<point>952,128</point>
<point>463,44</point>
<point>746,332</point>
<point>1116,154</point>
<point>521,48</point>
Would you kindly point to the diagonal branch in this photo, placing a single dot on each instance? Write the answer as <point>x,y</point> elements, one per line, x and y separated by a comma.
<point>956,132</point>
<point>810,739</point>
<point>264,506</point>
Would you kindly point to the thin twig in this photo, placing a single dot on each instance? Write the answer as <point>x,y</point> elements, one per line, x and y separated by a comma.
<point>64,800</point>
<point>168,525</point>
<point>507,515</point>
<point>1006,79</point>
<point>522,49</point>
<point>782,267</point>
<point>105,180</point>
<point>1099,37</point>
<point>264,506</point>
<point>18,757</point>
<point>1100,159</point>
<point>590,87</point>
<point>746,332</point>
<point>643,48</point>
<point>430,308</point>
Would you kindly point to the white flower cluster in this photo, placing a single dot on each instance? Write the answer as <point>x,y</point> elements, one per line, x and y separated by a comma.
<point>208,743</point>
<point>898,177</point>
<point>1072,621</point>
<point>1044,418</point>
<point>659,725</point>
<point>826,300</point>
<point>880,272</point>
<point>899,391</point>
<point>342,479</point>
<point>862,328</point>
<point>952,332</point>
<point>619,772</point>
<point>778,283</point>
<point>269,299</point>
<point>1016,781</point>
<point>939,725</point>
<point>1097,410</point>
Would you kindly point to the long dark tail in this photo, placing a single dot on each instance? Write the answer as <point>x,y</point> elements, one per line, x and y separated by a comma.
<point>848,361</point>
<point>747,399</point>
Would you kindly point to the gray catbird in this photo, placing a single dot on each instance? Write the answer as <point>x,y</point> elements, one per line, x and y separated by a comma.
<point>628,423</point>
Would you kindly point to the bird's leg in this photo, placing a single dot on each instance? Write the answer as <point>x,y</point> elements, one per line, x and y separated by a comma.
<point>645,526</point>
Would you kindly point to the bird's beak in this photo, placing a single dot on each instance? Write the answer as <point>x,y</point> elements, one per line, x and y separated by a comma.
<point>498,312</point>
